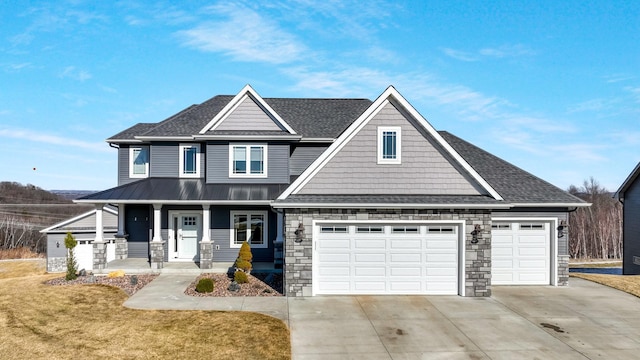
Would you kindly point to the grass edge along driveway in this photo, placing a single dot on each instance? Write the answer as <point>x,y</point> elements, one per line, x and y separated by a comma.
<point>39,321</point>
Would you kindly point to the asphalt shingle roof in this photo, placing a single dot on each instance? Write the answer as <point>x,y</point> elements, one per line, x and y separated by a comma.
<point>512,183</point>
<point>311,118</point>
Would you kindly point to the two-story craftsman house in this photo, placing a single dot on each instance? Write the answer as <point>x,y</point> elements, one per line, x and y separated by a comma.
<point>349,196</point>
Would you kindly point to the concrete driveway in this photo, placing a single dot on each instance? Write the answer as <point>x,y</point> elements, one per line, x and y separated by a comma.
<point>581,321</point>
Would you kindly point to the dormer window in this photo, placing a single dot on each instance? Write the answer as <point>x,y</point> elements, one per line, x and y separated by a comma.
<point>389,145</point>
<point>247,160</point>
<point>138,162</point>
<point>189,160</point>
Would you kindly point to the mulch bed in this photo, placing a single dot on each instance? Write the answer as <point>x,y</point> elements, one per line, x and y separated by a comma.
<point>254,287</point>
<point>130,284</point>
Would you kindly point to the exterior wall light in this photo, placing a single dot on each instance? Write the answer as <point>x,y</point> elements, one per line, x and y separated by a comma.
<point>477,229</point>
<point>562,229</point>
<point>299,233</point>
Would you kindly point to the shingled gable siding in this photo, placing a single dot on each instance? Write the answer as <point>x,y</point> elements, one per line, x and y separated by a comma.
<point>303,156</point>
<point>218,165</point>
<point>631,230</point>
<point>424,170</point>
<point>298,256</point>
<point>248,116</point>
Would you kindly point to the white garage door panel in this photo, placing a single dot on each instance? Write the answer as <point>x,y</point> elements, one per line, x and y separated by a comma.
<point>391,262</point>
<point>520,253</point>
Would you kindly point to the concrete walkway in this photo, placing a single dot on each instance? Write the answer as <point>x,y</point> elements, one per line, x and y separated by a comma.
<point>581,321</point>
<point>166,292</point>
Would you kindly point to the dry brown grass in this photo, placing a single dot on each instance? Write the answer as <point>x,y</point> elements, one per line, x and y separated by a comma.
<point>626,283</point>
<point>19,253</point>
<point>594,263</point>
<point>88,321</point>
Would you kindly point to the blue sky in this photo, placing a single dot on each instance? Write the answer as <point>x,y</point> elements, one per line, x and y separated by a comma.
<point>550,86</point>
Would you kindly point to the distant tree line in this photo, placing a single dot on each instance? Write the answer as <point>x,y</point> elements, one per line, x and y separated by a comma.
<point>27,209</point>
<point>595,232</point>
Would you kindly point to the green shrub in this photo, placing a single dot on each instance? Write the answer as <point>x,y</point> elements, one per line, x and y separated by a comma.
<point>205,285</point>
<point>241,277</point>
<point>245,252</point>
<point>243,265</point>
<point>72,265</point>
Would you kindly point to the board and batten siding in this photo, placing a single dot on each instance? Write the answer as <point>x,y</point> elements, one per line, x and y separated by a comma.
<point>248,116</point>
<point>217,155</point>
<point>424,168</point>
<point>303,156</point>
<point>631,229</point>
<point>563,242</point>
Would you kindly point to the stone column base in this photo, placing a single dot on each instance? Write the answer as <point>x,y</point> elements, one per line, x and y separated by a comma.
<point>122,248</point>
<point>99,255</point>
<point>156,248</point>
<point>206,255</point>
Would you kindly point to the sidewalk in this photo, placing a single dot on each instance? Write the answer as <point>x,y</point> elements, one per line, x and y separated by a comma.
<point>166,292</point>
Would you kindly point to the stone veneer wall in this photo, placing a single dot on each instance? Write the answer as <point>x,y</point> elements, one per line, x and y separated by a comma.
<point>56,264</point>
<point>206,255</point>
<point>99,255</point>
<point>122,248</point>
<point>298,256</point>
<point>156,250</point>
<point>563,270</point>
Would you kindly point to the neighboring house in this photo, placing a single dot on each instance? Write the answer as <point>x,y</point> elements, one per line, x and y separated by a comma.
<point>349,196</point>
<point>629,195</point>
<point>83,228</point>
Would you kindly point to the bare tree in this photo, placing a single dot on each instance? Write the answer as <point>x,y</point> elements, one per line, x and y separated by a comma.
<point>595,231</point>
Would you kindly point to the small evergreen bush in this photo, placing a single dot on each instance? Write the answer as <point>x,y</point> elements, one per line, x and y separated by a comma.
<point>245,252</point>
<point>72,265</point>
<point>205,285</point>
<point>243,265</point>
<point>241,277</point>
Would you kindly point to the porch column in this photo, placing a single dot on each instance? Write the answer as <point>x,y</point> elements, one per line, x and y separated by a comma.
<point>122,248</point>
<point>156,246</point>
<point>278,244</point>
<point>206,245</point>
<point>157,223</point>
<point>99,246</point>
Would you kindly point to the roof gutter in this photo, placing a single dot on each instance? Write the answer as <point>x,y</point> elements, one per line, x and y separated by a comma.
<point>555,205</point>
<point>174,202</point>
<point>285,205</point>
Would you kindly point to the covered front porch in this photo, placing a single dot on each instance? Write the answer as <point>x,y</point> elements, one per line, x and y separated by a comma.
<point>142,266</point>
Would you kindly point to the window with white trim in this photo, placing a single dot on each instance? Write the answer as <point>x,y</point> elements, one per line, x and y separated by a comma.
<point>138,162</point>
<point>189,160</point>
<point>250,226</point>
<point>389,144</point>
<point>247,160</point>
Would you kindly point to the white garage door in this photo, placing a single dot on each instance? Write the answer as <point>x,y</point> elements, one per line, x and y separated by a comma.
<point>386,259</point>
<point>520,253</point>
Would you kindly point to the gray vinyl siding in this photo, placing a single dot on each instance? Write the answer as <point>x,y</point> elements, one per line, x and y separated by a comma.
<point>138,250</point>
<point>424,168</point>
<point>164,160</point>
<point>563,242</point>
<point>631,229</point>
<point>248,116</point>
<point>217,170</point>
<point>303,156</point>
<point>123,165</point>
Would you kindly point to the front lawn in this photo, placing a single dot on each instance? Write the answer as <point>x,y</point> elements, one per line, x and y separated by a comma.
<point>626,283</point>
<point>39,321</point>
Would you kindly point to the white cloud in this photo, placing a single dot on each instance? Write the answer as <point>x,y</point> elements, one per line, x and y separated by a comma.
<point>33,136</point>
<point>614,78</point>
<point>244,35</point>
<point>504,51</point>
<point>459,55</point>
<point>71,72</point>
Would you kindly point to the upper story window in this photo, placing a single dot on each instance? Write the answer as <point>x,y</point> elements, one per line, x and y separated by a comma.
<point>389,149</point>
<point>138,162</point>
<point>247,160</point>
<point>189,160</point>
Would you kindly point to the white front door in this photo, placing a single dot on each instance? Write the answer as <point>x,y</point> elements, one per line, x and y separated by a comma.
<point>185,232</point>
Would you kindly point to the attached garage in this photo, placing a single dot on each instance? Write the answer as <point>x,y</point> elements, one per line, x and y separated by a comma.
<point>520,252</point>
<point>386,258</point>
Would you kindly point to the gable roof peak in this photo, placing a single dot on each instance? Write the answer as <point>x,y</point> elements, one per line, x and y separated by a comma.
<point>247,91</point>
